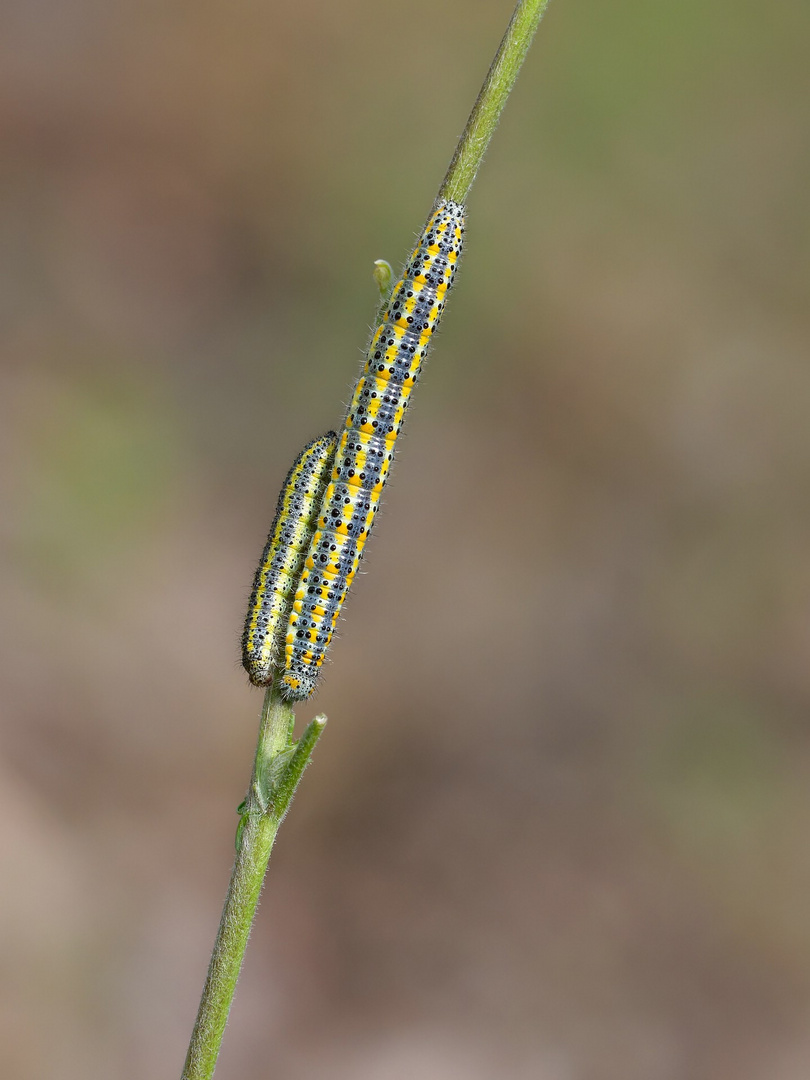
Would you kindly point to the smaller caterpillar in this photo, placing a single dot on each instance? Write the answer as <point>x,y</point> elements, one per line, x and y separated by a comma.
<point>283,558</point>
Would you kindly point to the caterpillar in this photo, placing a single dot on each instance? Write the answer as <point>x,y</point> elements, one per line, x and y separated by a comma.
<point>283,558</point>
<point>366,446</point>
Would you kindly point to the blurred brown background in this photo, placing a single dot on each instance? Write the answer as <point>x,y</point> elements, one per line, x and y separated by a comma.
<point>559,825</point>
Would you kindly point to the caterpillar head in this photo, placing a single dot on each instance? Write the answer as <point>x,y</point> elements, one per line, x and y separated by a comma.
<point>298,682</point>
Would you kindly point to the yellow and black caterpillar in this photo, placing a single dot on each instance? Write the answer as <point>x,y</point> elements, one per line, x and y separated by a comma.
<point>283,559</point>
<point>339,529</point>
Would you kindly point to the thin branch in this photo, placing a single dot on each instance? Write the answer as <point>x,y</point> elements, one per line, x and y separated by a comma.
<point>280,761</point>
<point>487,110</point>
<point>269,795</point>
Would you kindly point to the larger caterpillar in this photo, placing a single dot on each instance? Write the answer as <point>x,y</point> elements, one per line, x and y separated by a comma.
<point>366,446</point>
<point>283,557</point>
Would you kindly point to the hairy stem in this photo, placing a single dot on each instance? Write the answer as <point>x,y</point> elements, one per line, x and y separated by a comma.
<point>277,769</point>
<point>488,108</point>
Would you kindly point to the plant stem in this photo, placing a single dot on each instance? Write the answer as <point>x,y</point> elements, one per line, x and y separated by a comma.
<point>487,110</point>
<point>277,769</point>
<point>280,761</point>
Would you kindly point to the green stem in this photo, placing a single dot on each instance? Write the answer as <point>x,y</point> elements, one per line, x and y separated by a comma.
<point>280,761</point>
<point>487,110</point>
<point>277,769</point>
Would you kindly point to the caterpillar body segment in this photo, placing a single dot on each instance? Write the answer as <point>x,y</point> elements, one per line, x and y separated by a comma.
<point>283,558</point>
<point>366,446</point>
